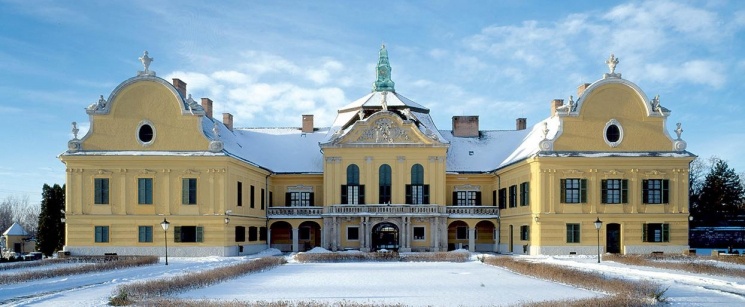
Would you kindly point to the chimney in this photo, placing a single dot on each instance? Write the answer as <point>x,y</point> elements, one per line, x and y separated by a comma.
<point>521,123</point>
<point>207,106</point>
<point>180,86</point>
<point>227,120</point>
<point>308,123</point>
<point>466,126</point>
<point>555,104</point>
<point>581,89</point>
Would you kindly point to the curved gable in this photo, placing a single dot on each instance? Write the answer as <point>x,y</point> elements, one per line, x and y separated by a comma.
<point>385,127</point>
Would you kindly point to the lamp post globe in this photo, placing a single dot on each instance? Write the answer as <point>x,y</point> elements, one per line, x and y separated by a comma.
<point>165,225</point>
<point>598,223</point>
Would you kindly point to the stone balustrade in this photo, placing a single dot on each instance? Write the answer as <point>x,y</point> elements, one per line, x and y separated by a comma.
<point>347,210</point>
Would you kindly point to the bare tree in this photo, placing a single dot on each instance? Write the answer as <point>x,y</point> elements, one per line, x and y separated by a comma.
<point>18,210</point>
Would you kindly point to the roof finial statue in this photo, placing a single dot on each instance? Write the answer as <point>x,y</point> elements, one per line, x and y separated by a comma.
<point>656,107</point>
<point>383,81</point>
<point>612,62</point>
<point>679,130</point>
<point>146,60</point>
<point>75,130</point>
<point>545,130</point>
<point>215,134</point>
<point>384,102</point>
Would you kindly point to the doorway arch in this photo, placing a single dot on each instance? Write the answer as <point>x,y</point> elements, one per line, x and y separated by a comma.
<point>385,236</point>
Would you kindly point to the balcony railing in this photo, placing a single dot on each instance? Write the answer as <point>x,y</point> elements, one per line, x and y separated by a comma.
<point>347,210</point>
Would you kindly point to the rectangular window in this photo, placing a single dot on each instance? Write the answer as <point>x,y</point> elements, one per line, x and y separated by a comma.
<point>461,233</point>
<point>352,194</point>
<point>513,196</point>
<point>239,196</point>
<point>300,199</point>
<point>494,198</point>
<point>656,233</point>
<point>573,233</point>
<point>655,191</point>
<point>614,191</point>
<point>417,194</point>
<point>525,194</point>
<point>262,233</point>
<point>145,191</point>
<point>189,191</point>
<point>525,233</point>
<point>145,234</point>
<point>186,234</point>
<point>263,198</point>
<point>503,198</point>
<point>467,198</point>
<point>253,197</point>
<point>253,233</point>
<point>240,234</point>
<point>418,233</point>
<point>573,191</point>
<point>304,233</point>
<point>101,194</point>
<point>102,234</point>
<point>353,233</point>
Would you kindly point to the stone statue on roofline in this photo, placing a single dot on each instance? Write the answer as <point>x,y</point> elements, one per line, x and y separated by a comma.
<point>612,61</point>
<point>146,60</point>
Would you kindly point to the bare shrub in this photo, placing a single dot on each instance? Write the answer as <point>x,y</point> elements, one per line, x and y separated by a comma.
<point>171,285</point>
<point>682,263</point>
<point>99,264</point>
<point>215,303</point>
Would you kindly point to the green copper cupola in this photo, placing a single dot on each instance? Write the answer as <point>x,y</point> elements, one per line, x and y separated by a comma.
<point>383,83</point>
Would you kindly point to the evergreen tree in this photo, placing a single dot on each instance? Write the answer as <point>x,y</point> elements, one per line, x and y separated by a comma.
<point>721,197</point>
<point>51,236</point>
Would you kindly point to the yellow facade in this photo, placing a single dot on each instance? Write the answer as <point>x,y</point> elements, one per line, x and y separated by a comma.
<point>381,177</point>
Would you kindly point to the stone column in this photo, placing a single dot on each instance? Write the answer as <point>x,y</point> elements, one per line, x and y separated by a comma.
<point>471,239</point>
<point>336,234</point>
<point>295,234</point>
<point>269,238</point>
<point>496,240</point>
<point>436,230</point>
<point>362,233</point>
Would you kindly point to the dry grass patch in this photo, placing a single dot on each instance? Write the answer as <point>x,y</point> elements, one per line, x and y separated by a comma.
<point>236,303</point>
<point>625,292</point>
<point>95,265</point>
<point>691,264</point>
<point>137,291</point>
<point>383,257</point>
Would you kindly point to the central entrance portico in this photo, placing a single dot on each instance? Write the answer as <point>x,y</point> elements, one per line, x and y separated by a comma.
<point>385,236</point>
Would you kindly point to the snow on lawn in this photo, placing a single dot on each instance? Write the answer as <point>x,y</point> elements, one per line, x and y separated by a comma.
<point>409,283</point>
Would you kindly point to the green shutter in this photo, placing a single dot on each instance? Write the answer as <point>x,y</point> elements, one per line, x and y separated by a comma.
<point>311,199</point>
<point>563,189</point>
<point>344,198</point>
<point>361,198</point>
<point>177,234</point>
<point>184,191</point>
<point>200,234</point>
<point>645,191</point>
<point>644,232</point>
<point>604,191</point>
<point>478,199</point>
<point>665,187</point>
<point>408,194</point>
<point>666,232</point>
<point>624,191</point>
<point>583,190</point>
<point>425,196</point>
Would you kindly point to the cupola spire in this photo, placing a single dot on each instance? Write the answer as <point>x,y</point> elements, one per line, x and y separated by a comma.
<point>383,82</point>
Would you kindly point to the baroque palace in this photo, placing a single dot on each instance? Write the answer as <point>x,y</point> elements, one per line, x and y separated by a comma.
<point>382,177</point>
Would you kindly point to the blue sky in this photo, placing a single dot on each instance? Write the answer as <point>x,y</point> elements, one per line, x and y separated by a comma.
<point>269,62</point>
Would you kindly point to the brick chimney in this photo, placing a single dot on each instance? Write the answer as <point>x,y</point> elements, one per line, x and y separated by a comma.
<point>556,103</point>
<point>521,123</point>
<point>227,120</point>
<point>180,86</point>
<point>207,106</point>
<point>466,126</point>
<point>307,123</point>
<point>581,89</point>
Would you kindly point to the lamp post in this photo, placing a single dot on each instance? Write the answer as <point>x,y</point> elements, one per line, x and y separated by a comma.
<point>598,223</point>
<point>165,225</point>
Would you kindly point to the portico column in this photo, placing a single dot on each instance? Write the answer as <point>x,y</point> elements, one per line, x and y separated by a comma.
<point>269,238</point>
<point>496,240</point>
<point>295,233</point>
<point>471,239</point>
<point>362,233</point>
<point>436,228</point>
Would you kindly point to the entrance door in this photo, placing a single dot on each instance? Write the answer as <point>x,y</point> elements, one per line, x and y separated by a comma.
<point>385,236</point>
<point>613,238</point>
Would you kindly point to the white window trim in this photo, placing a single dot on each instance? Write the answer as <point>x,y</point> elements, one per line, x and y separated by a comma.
<point>611,122</point>
<point>137,132</point>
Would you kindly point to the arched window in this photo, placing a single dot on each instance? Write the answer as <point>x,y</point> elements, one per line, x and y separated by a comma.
<point>417,192</point>
<point>353,193</point>
<point>384,183</point>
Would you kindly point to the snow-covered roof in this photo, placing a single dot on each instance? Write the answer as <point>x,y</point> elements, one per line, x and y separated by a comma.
<point>392,99</point>
<point>15,230</point>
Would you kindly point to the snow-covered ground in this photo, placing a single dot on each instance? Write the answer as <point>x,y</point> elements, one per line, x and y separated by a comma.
<point>411,283</point>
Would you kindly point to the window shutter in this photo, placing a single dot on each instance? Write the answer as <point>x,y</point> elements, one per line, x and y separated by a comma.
<point>311,201</point>
<point>106,233</point>
<point>583,190</point>
<point>494,198</point>
<point>563,189</point>
<point>361,198</point>
<point>478,198</point>
<point>408,194</point>
<point>143,234</point>
<point>425,190</point>
<point>644,232</point>
<point>604,191</point>
<point>200,234</point>
<point>177,234</point>
<point>665,199</point>
<point>288,199</point>
<point>455,199</point>
<point>184,191</point>
<point>645,191</point>
<point>665,232</point>
<point>344,194</point>
<point>97,190</point>
<point>624,191</point>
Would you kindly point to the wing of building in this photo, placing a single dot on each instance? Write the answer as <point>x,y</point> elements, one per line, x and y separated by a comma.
<point>383,176</point>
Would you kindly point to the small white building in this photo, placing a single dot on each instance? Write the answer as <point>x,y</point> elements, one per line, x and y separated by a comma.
<point>17,240</point>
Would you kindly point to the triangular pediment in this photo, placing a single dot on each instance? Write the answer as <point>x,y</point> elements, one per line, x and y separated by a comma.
<point>385,128</point>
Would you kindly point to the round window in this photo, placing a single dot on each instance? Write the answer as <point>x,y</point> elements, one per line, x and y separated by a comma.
<point>145,134</point>
<point>612,133</point>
